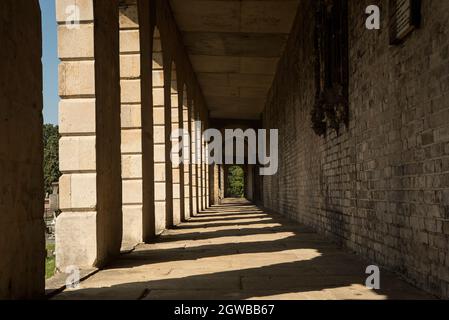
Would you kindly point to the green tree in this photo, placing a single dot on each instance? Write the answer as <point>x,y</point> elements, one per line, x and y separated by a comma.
<point>51,156</point>
<point>236,182</point>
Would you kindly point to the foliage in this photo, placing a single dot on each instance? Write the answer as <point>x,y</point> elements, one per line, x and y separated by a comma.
<point>50,265</point>
<point>51,156</point>
<point>236,183</point>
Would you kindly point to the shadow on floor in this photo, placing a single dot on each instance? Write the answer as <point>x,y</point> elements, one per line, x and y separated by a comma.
<point>258,258</point>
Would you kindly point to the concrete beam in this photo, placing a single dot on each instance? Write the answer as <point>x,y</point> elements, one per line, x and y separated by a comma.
<point>234,47</point>
<point>235,44</point>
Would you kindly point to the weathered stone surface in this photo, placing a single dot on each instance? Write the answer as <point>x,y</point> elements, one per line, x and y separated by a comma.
<point>158,80</point>
<point>132,224</point>
<point>130,91</point>
<point>131,124</point>
<point>78,191</point>
<point>159,135</point>
<point>69,40</point>
<point>159,153</point>
<point>76,78</point>
<point>129,16</point>
<point>160,192</point>
<point>132,166</point>
<point>131,116</point>
<point>129,41</point>
<point>77,231</point>
<point>158,112</point>
<point>77,116</point>
<point>77,153</point>
<point>89,229</point>
<point>132,191</point>
<point>131,141</point>
<point>86,10</point>
<point>22,242</point>
<point>130,66</point>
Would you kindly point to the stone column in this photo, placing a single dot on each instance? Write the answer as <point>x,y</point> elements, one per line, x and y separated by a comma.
<point>200,170</point>
<point>136,104</point>
<point>146,27</point>
<point>159,135</point>
<point>187,156</point>
<point>175,167</point>
<point>22,241</point>
<point>206,175</point>
<point>131,134</point>
<point>169,214</point>
<point>203,172</point>
<point>89,229</point>
<point>181,164</point>
<point>199,158</point>
<point>193,165</point>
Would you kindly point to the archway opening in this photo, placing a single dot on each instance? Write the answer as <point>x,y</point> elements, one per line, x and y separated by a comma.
<point>235,182</point>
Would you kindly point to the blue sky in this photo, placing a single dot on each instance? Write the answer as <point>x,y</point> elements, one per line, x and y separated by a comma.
<point>50,61</point>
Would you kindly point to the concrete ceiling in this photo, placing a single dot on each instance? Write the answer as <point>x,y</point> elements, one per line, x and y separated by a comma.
<point>234,47</point>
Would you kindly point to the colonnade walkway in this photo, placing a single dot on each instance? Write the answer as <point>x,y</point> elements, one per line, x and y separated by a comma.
<point>238,251</point>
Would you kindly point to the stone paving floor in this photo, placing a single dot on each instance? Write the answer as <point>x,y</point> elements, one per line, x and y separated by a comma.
<point>238,251</point>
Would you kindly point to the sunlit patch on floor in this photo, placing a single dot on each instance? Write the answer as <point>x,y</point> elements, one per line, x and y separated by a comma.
<point>236,257</point>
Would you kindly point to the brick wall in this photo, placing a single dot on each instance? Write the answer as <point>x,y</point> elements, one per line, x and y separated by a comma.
<point>380,188</point>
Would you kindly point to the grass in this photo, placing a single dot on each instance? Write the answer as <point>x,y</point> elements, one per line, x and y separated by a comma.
<point>50,265</point>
